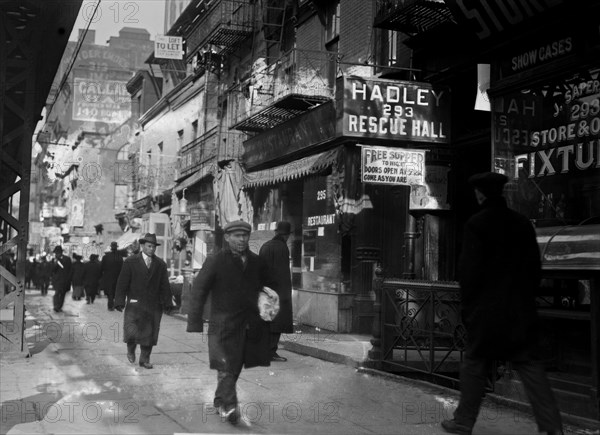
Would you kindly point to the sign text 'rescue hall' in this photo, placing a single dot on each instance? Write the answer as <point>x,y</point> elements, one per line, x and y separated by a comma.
<point>396,110</point>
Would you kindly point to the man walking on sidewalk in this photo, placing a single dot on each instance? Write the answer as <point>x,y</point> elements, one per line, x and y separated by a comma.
<point>276,256</point>
<point>499,273</point>
<point>237,336</point>
<point>61,277</point>
<point>143,290</point>
<point>111,265</point>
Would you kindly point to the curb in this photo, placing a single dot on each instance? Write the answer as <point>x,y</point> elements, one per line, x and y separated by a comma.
<point>322,354</point>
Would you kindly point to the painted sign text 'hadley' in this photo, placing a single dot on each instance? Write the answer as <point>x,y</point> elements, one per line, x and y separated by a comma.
<point>397,110</point>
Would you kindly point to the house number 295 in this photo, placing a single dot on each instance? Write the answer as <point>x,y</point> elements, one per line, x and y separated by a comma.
<point>321,194</point>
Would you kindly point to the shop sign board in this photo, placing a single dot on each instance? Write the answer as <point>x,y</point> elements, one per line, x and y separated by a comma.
<point>168,47</point>
<point>433,194</point>
<point>547,140</point>
<point>312,128</point>
<point>202,219</point>
<point>101,100</point>
<point>396,110</point>
<point>393,166</point>
<point>487,19</point>
<point>77,212</point>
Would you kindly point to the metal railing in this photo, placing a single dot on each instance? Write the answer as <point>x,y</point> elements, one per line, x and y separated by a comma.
<point>225,24</point>
<point>198,152</point>
<point>421,331</point>
<point>306,75</point>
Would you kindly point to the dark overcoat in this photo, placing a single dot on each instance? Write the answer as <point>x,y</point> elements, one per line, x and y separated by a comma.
<point>77,279</point>
<point>111,265</point>
<point>276,256</point>
<point>61,276</point>
<point>499,274</point>
<point>237,336</point>
<point>144,293</point>
<point>91,279</point>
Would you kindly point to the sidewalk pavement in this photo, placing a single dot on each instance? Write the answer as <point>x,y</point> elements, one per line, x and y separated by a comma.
<point>78,381</point>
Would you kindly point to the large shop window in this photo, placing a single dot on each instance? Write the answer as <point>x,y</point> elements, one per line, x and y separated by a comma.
<point>547,140</point>
<point>315,247</point>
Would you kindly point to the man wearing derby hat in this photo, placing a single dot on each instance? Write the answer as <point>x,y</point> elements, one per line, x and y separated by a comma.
<point>237,335</point>
<point>276,255</point>
<point>499,272</point>
<point>143,290</point>
<point>110,267</point>
<point>61,277</point>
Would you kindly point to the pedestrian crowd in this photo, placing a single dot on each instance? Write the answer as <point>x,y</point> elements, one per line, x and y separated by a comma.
<point>246,300</point>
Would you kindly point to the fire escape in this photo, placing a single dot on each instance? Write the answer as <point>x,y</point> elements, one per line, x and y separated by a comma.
<point>212,30</point>
<point>282,84</point>
<point>412,17</point>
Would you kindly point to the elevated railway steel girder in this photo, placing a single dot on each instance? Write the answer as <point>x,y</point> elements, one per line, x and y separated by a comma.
<point>33,36</point>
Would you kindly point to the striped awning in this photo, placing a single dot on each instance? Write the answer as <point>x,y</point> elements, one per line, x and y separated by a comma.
<point>296,169</point>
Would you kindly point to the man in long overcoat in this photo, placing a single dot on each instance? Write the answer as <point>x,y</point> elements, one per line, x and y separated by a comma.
<point>499,273</point>
<point>276,256</point>
<point>237,335</point>
<point>91,280</point>
<point>61,277</point>
<point>111,265</point>
<point>143,290</point>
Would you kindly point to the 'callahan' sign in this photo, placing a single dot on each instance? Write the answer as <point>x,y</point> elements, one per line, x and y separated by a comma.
<point>395,166</point>
<point>396,110</point>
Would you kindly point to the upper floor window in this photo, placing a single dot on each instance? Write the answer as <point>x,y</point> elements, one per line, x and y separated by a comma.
<point>123,153</point>
<point>332,30</point>
<point>179,139</point>
<point>392,47</point>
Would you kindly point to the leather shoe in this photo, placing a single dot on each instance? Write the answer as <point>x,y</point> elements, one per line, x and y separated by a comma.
<point>452,426</point>
<point>278,358</point>
<point>146,365</point>
<point>131,357</point>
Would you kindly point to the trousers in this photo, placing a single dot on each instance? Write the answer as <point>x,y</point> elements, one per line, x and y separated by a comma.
<point>145,352</point>
<point>473,378</point>
<point>226,395</point>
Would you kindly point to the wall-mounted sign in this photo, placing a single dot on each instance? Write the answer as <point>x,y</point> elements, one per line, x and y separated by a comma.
<point>490,18</point>
<point>395,166</point>
<point>547,140</point>
<point>396,110</point>
<point>168,47</point>
<point>202,219</point>
<point>433,195</point>
<point>77,212</point>
<point>101,101</point>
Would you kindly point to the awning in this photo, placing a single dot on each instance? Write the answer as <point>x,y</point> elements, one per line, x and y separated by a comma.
<point>289,171</point>
<point>194,178</point>
<point>125,240</point>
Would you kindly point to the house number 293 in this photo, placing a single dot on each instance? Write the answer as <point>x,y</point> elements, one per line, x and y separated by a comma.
<point>321,194</point>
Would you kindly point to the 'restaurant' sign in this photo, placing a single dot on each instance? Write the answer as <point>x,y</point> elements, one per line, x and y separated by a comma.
<point>395,109</point>
<point>395,166</point>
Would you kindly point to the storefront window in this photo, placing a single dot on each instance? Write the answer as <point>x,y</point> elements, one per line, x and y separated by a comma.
<point>547,140</point>
<point>321,251</point>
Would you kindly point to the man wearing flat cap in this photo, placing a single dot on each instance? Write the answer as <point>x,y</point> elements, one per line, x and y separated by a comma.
<point>143,290</point>
<point>276,255</point>
<point>499,272</point>
<point>110,267</point>
<point>237,336</point>
<point>61,277</point>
